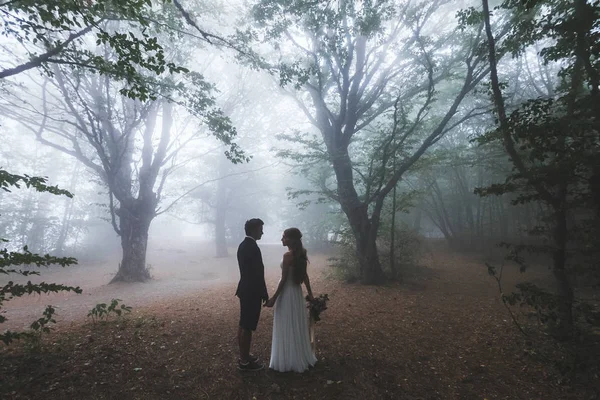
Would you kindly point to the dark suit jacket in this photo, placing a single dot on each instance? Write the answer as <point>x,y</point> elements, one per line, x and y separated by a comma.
<point>252,271</point>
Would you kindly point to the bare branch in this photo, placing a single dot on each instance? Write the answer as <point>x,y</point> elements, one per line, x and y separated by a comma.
<point>188,192</point>
<point>499,101</point>
<point>43,58</point>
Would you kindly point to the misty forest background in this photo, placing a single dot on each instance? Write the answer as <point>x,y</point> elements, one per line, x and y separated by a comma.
<point>381,129</point>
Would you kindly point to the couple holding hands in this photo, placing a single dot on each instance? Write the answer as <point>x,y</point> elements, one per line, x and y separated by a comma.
<point>291,349</point>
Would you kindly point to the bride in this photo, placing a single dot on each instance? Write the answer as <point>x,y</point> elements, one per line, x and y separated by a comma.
<point>291,349</point>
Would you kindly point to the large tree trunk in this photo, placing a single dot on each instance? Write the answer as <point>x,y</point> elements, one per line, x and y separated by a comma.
<point>363,228</point>
<point>564,290</point>
<point>136,214</point>
<point>366,250</point>
<point>365,235</point>
<point>134,228</point>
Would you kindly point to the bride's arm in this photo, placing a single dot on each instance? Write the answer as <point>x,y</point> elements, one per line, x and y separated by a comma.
<point>308,288</point>
<point>285,270</point>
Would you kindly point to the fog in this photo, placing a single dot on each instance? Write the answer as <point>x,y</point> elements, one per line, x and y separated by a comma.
<point>203,198</point>
<point>367,143</point>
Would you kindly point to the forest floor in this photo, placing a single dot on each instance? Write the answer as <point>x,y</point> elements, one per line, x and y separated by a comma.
<point>441,334</point>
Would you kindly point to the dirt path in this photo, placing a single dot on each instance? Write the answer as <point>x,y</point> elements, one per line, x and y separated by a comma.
<point>178,272</point>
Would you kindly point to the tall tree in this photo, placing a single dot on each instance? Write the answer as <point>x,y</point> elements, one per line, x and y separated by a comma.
<point>371,70</point>
<point>105,134</point>
<point>554,141</point>
<point>132,147</point>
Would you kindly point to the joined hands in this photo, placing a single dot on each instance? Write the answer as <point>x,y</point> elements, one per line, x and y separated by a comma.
<point>269,303</point>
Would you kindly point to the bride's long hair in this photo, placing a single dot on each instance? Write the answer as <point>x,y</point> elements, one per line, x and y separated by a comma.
<point>294,242</point>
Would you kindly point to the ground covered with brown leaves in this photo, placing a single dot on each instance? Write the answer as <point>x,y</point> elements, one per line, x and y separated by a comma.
<point>441,334</point>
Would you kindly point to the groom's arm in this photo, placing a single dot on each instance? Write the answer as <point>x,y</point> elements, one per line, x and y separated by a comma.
<point>259,275</point>
<point>265,293</point>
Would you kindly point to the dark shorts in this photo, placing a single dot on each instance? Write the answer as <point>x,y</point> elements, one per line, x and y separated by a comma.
<point>250,312</point>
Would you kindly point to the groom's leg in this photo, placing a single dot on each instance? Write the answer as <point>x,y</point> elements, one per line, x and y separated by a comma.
<point>249,315</point>
<point>245,342</point>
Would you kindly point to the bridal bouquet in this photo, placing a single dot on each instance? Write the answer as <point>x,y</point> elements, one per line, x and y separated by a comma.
<point>317,306</point>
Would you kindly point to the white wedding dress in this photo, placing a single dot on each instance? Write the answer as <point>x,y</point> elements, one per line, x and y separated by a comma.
<point>290,348</point>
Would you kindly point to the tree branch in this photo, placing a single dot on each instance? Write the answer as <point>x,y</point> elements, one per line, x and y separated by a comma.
<point>188,192</point>
<point>502,118</point>
<point>43,58</point>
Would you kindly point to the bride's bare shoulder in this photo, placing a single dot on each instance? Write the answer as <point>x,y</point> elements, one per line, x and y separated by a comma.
<point>288,256</point>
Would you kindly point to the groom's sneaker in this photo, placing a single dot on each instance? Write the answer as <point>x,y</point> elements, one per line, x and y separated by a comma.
<point>250,366</point>
<point>254,358</point>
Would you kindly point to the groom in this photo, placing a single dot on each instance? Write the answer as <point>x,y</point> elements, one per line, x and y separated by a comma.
<point>252,291</point>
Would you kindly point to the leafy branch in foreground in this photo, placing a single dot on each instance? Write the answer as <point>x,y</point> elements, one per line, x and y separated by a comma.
<point>54,31</point>
<point>10,259</point>
<point>38,183</point>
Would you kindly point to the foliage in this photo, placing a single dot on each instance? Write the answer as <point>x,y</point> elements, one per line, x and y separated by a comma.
<point>41,324</point>
<point>407,250</point>
<point>39,327</point>
<point>543,302</point>
<point>115,65</point>
<point>553,142</point>
<point>130,48</point>
<point>33,337</point>
<point>556,136</point>
<point>380,84</point>
<point>54,32</point>
<point>38,183</point>
<point>102,311</point>
<point>10,259</point>
<point>345,264</point>
<point>557,146</point>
